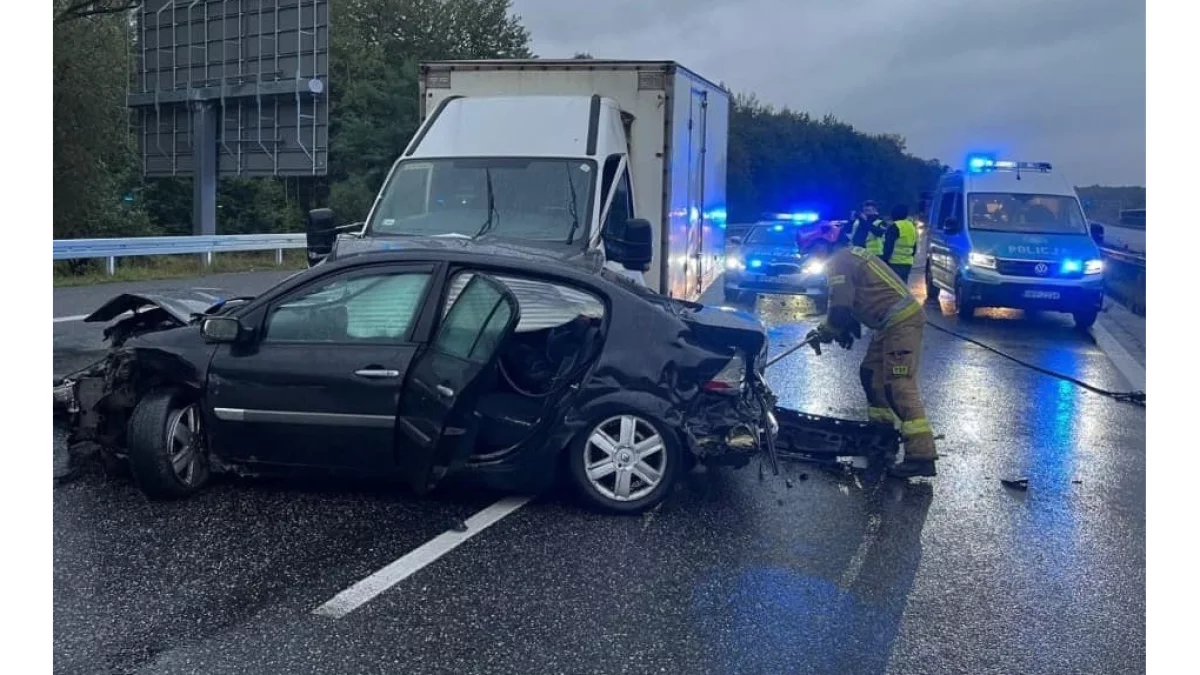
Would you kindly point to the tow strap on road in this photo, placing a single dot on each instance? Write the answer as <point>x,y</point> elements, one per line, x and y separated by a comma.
<point>1135,397</point>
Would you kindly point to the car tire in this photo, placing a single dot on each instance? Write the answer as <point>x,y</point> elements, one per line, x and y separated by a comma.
<point>932,293</point>
<point>1085,319</point>
<point>599,484</point>
<point>167,453</point>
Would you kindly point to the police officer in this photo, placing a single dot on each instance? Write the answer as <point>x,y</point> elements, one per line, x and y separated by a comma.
<point>868,228</point>
<point>900,243</point>
<point>863,291</point>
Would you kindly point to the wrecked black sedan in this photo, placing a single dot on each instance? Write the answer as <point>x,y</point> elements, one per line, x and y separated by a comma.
<point>433,358</point>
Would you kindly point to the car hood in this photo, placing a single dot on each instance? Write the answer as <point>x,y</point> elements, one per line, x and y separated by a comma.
<point>182,306</point>
<point>1048,247</point>
<point>787,253</point>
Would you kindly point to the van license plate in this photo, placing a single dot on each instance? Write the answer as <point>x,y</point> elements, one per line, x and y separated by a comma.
<point>1042,295</point>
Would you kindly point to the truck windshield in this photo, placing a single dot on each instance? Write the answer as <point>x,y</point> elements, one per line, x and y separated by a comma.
<point>546,200</point>
<point>1026,214</point>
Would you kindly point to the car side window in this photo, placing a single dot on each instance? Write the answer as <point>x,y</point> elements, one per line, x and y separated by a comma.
<point>475,323</point>
<point>949,207</point>
<point>543,304</point>
<point>368,308</point>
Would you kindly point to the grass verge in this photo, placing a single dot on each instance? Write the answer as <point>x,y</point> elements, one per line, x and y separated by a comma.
<point>149,268</point>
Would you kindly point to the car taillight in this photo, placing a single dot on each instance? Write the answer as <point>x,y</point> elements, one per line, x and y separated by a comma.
<point>731,377</point>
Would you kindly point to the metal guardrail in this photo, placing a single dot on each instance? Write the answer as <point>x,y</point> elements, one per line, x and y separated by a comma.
<point>112,248</point>
<point>1125,279</point>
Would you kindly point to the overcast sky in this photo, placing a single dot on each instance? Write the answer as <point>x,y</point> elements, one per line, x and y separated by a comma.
<point>1062,81</point>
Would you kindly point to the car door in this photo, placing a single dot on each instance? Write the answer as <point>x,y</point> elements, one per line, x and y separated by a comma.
<point>437,423</point>
<point>942,259</point>
<point>320,383</point>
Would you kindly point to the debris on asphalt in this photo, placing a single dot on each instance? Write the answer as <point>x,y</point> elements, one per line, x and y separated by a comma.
<point>940,437</point>
<point>1015,483</point>
<point>1077,482</point>
<point>459,526</point>
<point>788,482</point>
<point>761,474</point>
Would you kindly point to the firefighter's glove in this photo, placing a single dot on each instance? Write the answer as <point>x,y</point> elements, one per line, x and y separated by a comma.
<point>818,336</point>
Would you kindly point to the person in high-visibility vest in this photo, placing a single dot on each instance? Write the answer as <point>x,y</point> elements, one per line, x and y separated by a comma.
<point>900,243</point>
<point>868,228</point>
<point>863,291</point>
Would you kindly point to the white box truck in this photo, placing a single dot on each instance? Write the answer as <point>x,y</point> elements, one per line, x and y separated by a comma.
<point>588,157</point>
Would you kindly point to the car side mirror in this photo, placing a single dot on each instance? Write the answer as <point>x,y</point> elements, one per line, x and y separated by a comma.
<point>951,226</point>
<point>320,235</point>
<point>1097,232</point>
<point>631,243</point>
<point>226,329</point>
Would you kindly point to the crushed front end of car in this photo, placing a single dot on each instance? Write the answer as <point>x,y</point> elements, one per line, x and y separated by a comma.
<point>92,405</point>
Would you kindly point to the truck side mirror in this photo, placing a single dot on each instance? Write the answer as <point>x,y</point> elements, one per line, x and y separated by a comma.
<point>320,235</point>
<point>630,243</point>
<point>1097,232</point>
<point>951,226</point>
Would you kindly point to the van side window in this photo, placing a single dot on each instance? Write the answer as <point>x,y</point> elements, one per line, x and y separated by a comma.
<point>950,207</point>
<point>622,203</point>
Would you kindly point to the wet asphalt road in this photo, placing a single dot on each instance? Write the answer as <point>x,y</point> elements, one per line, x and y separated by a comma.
<point>731,575</point>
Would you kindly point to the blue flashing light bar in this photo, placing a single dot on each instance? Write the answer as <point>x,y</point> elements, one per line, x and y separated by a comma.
<point>800,217</point>
<point>981,163</point>
<point>756,263</point>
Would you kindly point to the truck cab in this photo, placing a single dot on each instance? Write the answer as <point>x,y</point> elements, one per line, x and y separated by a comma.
<point>620,161</point>
<point>1006,233</point>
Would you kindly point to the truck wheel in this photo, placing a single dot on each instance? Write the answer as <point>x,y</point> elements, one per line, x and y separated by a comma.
<point>625,463</point>
<point>932,293</point>
<point>167,453</point>
<point>966,310</point>
<point>1084,319</point>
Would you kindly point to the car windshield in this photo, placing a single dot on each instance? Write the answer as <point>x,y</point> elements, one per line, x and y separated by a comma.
<point>547,200</point>
<point>1026,214</point>
<point>772,235</point>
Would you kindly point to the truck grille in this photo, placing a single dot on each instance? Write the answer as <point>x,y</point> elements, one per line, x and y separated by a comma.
<point>1030,268</point>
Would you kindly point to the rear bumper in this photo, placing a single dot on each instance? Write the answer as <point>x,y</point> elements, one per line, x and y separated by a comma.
<point>994,290</point>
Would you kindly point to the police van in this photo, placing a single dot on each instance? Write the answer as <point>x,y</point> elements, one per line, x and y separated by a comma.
<point>1012,234</point>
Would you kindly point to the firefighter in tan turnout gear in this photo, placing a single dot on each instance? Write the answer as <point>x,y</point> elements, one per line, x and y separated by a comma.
<point>864,291</point>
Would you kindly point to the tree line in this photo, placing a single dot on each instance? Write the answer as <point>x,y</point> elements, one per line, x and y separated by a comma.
<point>779,159</point>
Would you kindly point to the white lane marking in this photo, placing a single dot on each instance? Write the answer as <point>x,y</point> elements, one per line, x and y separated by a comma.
<point>854,567</point>
<point>77,317</point>
<point>364,591</point>
<point>1134,372</point>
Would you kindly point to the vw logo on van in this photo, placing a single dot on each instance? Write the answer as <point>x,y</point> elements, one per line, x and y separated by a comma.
<point>1041,269</point>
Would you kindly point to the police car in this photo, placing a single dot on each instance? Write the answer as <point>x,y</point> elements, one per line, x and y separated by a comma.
<point>763,258</point>
<point>1005,233</point>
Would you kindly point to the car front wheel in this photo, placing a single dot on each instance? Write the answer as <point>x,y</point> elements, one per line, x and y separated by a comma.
<point>167,453</point>
<point>625,463</point>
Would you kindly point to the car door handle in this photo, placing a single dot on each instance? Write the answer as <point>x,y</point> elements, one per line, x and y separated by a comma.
<point>444,390</point>
<point>377,373</point>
